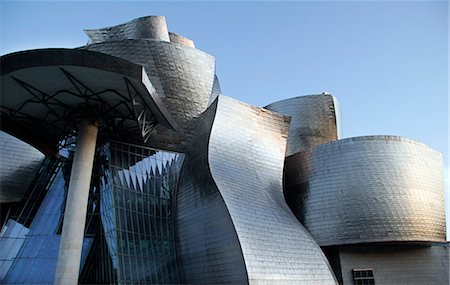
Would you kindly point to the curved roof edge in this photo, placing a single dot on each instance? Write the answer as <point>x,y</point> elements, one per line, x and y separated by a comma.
<point>153,27</point>
<point>299,97</point>
<point>59,57</point>
<point>386,138</point>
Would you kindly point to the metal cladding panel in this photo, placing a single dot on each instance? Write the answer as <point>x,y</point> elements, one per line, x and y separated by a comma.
<point>314,120</point>
<point>246,156</point>
<point>368,189</point>
<point>398,265</point>
<point>19,163</point>
<point>177,39</point>
<point>182,76</point>
<point>208,246</point>
<point>216,91</point>
<point>151,27</point>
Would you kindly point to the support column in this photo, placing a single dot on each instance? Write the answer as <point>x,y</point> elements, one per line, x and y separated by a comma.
<point>68,266</point>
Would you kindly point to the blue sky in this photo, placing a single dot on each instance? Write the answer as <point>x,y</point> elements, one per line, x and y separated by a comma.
<point>386,62</point>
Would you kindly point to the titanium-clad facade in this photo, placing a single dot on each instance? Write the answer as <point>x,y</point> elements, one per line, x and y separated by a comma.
<point>246,194</point>
<point>368,189</point>
<point>252,190</point>
<point>208,244</point>
<point>19,162</point>
<point>182,76</point>
<point>192,187</point>
<point>315,119</point>
<point>144,27</point>
<point>177,39</point>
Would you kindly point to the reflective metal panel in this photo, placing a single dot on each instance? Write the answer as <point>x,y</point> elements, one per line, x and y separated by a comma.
<point>177,39</point>
<point>150,27</point>
<point>246,158</point>
<point>19,162</point>
<point>216,90</point>
<point>245,155</point>
<point>368,189</point>
<point>314,120</point>
<point>182,76</point>
<point>208,246</point>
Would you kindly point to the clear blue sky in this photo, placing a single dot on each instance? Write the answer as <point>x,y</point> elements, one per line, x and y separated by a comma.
<point>386,62</point>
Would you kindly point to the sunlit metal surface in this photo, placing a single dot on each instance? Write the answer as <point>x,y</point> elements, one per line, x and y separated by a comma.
<point>182,76</point>
<point>314,120</point>
<point>150,27</point>
<point>178,39</point>
<point>233,222</point>
<point>368,189</point>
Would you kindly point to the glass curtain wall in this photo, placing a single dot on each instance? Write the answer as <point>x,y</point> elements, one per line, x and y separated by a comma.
<point>136,207</point>
<point>29,241</point>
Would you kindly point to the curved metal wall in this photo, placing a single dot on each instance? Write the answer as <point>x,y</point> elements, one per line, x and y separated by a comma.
<point>177,39</point>
<point>243,194</point>
<point>208,246</point>
<point>314,120</point>
<point>182,76</point>
<point>151,27</point>
<point>19,163</point>
<point>368,189</point>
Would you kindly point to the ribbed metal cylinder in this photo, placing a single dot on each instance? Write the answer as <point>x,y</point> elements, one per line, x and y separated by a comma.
<point>368,189</point>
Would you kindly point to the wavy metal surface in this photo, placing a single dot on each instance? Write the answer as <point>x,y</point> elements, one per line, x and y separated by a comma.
<point>208,246</point>
<point>314,120</point>
<point>243,194</point>
<point>182,76</point>
<point>150,27</point>
<point>368,189</point>
<point>216,90</point>
<point>19,162</point>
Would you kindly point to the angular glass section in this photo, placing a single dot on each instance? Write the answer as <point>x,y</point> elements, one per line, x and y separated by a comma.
<point>29,242</point>
<point>136,207</point>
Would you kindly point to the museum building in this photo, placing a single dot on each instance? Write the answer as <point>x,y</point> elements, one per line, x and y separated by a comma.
<point>123,163</point>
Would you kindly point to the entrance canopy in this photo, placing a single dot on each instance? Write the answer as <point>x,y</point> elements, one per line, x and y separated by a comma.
<point>46,93</point>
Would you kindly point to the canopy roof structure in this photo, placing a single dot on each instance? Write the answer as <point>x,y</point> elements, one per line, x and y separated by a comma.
<point>46,93</point>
